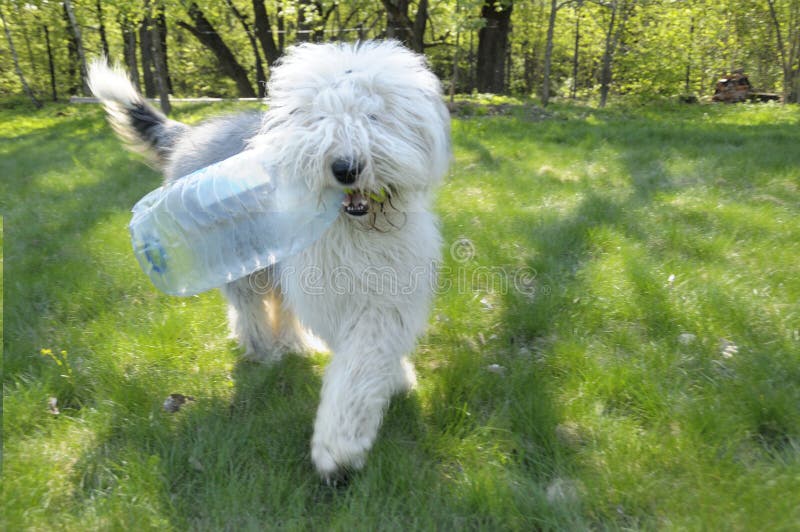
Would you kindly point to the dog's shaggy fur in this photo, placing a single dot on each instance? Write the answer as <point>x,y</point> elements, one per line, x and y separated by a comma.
<point>367,116</point>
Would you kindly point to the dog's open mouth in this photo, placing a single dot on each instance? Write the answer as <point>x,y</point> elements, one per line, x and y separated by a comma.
<point>357,202</point>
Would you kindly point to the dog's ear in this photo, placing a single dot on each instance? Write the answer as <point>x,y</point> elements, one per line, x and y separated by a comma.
<point>409,75</point>
<point>144,128</point>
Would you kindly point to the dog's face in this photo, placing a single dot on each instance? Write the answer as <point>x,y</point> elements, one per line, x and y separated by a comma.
<point>367,118</point>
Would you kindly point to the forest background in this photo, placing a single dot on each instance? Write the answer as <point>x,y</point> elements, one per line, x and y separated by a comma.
<point>579,49</point>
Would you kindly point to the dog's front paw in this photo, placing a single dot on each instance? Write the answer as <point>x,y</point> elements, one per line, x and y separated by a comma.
<point>336,456</point>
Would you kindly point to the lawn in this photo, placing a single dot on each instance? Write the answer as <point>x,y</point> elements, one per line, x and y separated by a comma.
<point>615,345</point>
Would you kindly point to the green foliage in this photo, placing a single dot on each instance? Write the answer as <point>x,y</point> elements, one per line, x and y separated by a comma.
<point>638,371</point>
<point>661,40</point>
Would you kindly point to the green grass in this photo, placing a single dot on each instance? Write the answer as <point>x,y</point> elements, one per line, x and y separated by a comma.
<point>634,272</point>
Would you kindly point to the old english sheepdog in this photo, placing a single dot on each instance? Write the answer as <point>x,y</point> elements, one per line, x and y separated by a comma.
<point>368,118</point>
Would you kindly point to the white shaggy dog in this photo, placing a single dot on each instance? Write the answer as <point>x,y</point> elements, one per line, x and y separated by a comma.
<point>368,117</point>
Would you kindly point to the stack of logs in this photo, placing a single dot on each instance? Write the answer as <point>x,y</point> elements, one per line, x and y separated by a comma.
<point>737,88</point>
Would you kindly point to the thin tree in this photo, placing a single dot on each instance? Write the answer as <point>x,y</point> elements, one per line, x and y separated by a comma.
<point>204,31</point>
<point>148,62</point>
<point>789,51</point>
<point>78,40</point>
<point>50,63</point>
<point>555,6</point>
<point>102,28</point>
<point>128,30</point>
<point>261,77</point>
<point>617,18</point>
<point>14,56</point>
<point>305,20</point>
<point>400,26</point>
<point>454,78</point>
<point>688,80</point>
<point>162,85</point>
<point>576,50</point>
<point>160,23</point>
<point>263,31</point>
<point>23,29</point>
<point>72,53</point>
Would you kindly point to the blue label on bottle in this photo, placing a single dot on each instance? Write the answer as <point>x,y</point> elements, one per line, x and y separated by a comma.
<point>156,256</point>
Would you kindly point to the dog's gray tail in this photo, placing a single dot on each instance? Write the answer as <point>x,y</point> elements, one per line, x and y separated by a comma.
<point>144,128</point>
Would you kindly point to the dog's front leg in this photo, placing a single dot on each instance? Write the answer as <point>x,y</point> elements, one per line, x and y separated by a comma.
<point>356,389</point>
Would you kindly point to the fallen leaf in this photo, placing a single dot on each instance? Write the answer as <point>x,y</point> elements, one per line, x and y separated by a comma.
<point>727,348</point>
<point>52,406</point>
<point>496,368</point>
<point>570,434</point>
<point>565,491</point>
<point>175,401</point>
<point>195,463</point>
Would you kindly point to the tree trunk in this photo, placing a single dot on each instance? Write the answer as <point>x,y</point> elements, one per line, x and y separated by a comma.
<point>471,62</point>
<point>208,36</point>
<point>162,85</point>
<point>76,32</point>
<point>548,52</point>
<point>787,56</point>
<point>281,30</point>
<point>341,26</point>
<point>492,45</point>
<point>72,54</point>
<point>102,28</point>
<point>527,66</point>
<point>575,53</point>
<point>162,82</point>
<point>687,84</point>
<point>21,77</point>
<point>797,73</point>
<point>509,66</point>
<point>24,30</point>
<point>325,15</point>
<point>51,65</point>
<point>160,22</point>
<point>613,35</point>
<point>146,49</point>
<point>398,25</point>
<point>263,30</point>
<point>261,78</point>
<point>454,79</point>
<point>305,11</point>
<point>420,23</point>
<point>129,50</point>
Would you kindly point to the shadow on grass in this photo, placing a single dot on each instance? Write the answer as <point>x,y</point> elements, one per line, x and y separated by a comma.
<point>216,463</point>
<point>243,462</point>
<point>561,246</point>
<point>484,448</point>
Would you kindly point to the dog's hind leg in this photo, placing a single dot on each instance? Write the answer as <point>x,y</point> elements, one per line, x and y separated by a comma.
<point>258,319</point>
<point>250,319</point>
<point>290,333</point>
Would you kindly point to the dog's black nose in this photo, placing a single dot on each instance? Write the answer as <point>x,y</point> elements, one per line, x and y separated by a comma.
<point>345,171</point>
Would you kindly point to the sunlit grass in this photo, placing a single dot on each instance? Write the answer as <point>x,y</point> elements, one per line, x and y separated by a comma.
<point>618,345</point>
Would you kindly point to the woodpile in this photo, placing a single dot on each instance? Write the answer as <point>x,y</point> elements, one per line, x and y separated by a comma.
<point>737,88</point>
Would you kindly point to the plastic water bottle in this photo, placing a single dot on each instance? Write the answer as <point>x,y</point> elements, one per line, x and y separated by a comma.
<point>226,221</point>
